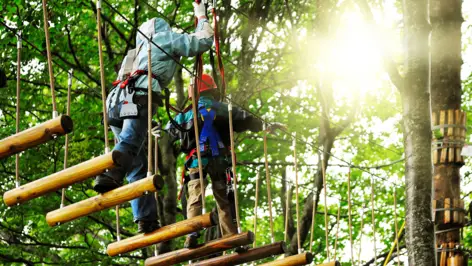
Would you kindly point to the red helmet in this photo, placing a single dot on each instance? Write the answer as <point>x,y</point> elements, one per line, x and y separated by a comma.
<point>205,84</point>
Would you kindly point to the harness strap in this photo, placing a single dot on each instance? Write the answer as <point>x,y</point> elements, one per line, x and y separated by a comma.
<point>209,133</point>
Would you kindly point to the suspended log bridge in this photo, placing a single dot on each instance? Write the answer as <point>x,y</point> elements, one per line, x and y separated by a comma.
<point>163,234</point>
<point>64,178</point>
<point>35,136</point>
<point>251,255</point>
<point>104,201</point>
<point>206,249</point>
<point>295,260</point>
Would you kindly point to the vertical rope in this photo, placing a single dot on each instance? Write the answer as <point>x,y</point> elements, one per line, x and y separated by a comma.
<point>48,50</point>
<point>18,87</point>
<point>396,223</point>
<point>233,160</point>
<point>360,235</point>
<point>149,122</point>
<point>323,172</point>
<point>269,184</point>
<point>66,145</point>
<point>337,232</point>
<point>102,75</point>
<point>255,207</point>
<point>372,197</point>
<point>197,138</point>
<point>313,221</point>
<point>295,164</point>
<point>287,192</point>
<point>350,213</point>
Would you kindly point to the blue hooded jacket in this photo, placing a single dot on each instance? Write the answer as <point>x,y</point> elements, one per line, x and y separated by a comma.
<point>175,44</point>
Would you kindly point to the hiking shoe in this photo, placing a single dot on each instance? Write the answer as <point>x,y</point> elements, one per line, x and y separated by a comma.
<point>105,183</point>
<point>147,226</point>
<point>242,249</point>
<point>191,241</point>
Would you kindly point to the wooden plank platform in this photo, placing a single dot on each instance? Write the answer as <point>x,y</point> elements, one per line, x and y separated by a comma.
<point>295,260</point>
<point>104,201</point>
<point>249,256</point>
<point>35,136</point>
<point>64,178</point>
<point>163,234</point>
<point>206,249</point>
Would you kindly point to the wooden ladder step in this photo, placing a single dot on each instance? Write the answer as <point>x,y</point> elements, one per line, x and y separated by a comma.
<point>249,256</point>
<point>295,260</point>
<point>163,234</point>
<point>64,178</point>
<point>215,246</point>
<point>104,201</point>
<point>35,136</point>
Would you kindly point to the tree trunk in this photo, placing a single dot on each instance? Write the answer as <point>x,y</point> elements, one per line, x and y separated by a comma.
<point>417,135</point>
<point>446,19</point>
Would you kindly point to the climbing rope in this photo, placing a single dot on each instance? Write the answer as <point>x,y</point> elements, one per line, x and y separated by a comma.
<point>66,145</point>
<point>313,221</point>
<point>323,173</point>
<point>255,208</point>
<point>296,192</point>
<point>18,86</point>
<point>233,161</point>
<point>396,223</point>
<point>48,50</point>
<point>350,212</point>
<point>268,184</point>
<point>372,197</point>
<point>216,36</point>
<point>360,235</point>
<point>287,205</point>
<point>337,231</point>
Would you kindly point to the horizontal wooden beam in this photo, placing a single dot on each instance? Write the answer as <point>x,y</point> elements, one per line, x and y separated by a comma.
<point>64,178</point>
<point>163,234</point>
<point>103,201</point>
<point>295,260</point>
<point>35,136</point>
<point>206,249</point>
<point>249,256</point>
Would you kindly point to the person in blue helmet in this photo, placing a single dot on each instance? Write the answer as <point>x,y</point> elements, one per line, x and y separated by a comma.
<point>127,102</point>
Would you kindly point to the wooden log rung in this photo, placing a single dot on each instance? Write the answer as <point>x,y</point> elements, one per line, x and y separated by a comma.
<point>206,249</point>
<point>65,178</point>
<point>104,201</point>
<point>163,234</point>
<point>35,136</point>
<point>253,254</point>
<point>295,260</point>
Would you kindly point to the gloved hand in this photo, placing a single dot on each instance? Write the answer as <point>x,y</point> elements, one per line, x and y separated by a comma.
<point>274,126</point>
<point>156,130</point>
<point>199,9</point>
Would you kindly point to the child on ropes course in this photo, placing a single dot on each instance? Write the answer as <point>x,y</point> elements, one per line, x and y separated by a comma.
<point>215,152</point>
<point>127,102</point>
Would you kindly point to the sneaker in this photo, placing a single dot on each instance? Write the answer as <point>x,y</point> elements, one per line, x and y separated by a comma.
<point>191,241</point>
<point>105,183</point>
<point>147,226</point>
<point>242,249</point>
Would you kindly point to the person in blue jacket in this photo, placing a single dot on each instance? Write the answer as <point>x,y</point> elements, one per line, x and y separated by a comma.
<point>127,102</point>
<point>215,152</point>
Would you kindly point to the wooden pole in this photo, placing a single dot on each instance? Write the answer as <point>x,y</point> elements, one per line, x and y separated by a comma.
<point>233,160</point>
<point>102,75</point>
<point>313,222</point>
<point>255,208</point>
<point>331,263</point>
<point>64,178</point>
<point>323,172</point>
<point>102,201</point>
<point>163,234</point>
<point>206,249</point>
<point>251,255</point>
<point>35,136</point>
<point>296,260</point>
<point>149,173</point>
<point>349,211</point>
<point>299,245</point>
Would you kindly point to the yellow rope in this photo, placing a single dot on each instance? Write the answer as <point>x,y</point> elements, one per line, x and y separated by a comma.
<point>395,243</point>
